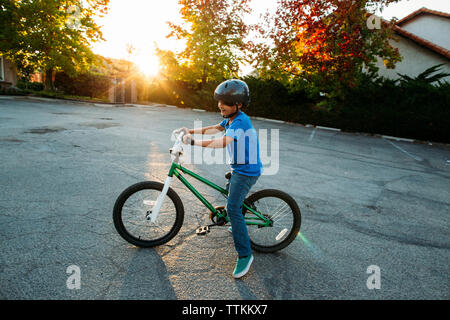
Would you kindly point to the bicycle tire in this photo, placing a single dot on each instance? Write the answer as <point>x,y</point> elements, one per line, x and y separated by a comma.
<point>264,239</point>
<point>124,230</point>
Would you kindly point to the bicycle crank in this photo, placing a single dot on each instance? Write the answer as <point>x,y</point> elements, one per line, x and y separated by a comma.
<point>218,221</point>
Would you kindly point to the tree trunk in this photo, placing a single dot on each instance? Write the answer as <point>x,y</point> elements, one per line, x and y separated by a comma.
<point>49,80</point>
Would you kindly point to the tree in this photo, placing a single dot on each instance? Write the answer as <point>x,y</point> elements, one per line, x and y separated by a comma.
<point>51,35</point>
<point>131,50</point>
<point>11,31</point>
<point>214,32</point>
<point>171,68</point>
<point>329,41</point>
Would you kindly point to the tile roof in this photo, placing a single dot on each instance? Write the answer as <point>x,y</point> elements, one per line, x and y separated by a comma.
<point>419,40</point>
<point>422,11</point>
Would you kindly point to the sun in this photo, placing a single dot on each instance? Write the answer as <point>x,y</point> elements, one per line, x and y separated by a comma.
<point>143,24</point>
<point>148,64</point>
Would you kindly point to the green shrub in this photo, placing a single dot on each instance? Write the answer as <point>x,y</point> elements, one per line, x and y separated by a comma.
<point>415,108</point>
<point>87,85</point>
<point>27,85</point>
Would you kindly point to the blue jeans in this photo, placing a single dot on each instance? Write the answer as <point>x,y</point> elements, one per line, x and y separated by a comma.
<point>237,192</point>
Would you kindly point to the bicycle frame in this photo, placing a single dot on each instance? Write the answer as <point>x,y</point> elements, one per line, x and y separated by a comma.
<point>175,170</point>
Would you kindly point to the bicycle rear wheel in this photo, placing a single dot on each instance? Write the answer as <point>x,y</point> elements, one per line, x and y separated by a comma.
<point>285,215</point>
<point>131,212</point>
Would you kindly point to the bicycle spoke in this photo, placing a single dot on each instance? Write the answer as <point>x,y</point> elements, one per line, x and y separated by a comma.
<point>135,211</point>
<point>281,214</point>
<point>278,212</point>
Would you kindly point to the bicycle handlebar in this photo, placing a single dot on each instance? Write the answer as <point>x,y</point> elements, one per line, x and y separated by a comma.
<point>177,148</point>
<point>179,138</point>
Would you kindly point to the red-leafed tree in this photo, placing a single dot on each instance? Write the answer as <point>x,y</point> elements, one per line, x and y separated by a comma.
<point>328,40</point>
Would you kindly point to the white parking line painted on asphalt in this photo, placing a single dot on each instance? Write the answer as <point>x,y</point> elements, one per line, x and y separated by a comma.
<point>404,151</point>
<point>312,135</point>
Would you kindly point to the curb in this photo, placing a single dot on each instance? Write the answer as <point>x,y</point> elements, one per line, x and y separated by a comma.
<point>65,100</point>
<point>270,120</point>
<point>103,105</point>
<point>328,128</point>
<point>398,139</point>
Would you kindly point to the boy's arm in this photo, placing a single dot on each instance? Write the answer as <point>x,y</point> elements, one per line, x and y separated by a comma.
<point>211,143</point>
<point>214,143</point>
<point>207,130</point>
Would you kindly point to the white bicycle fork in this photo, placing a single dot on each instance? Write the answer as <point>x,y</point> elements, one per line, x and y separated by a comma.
<point>160,200</point>
<point>175,154</point>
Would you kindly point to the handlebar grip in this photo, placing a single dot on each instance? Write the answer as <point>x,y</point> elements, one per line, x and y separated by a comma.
<point>180,137</point>
<point>180,134</point>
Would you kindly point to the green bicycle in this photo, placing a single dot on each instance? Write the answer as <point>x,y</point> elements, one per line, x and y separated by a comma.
<point>150,213</point>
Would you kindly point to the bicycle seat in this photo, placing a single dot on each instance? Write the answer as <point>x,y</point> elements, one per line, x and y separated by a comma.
<point>228,175</point>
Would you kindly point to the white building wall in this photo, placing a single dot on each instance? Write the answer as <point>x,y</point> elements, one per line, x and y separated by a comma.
<point>416,59</point>
<point>433,28</point>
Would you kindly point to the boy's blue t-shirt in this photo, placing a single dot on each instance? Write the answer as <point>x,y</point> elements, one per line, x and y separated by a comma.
<point>244,150</point>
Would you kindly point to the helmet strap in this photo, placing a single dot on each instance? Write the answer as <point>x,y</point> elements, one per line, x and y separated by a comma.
<point>234,113</point>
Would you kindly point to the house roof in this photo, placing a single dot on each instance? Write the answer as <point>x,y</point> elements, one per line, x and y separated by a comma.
<point>419,40</point>
<point>421,11</point>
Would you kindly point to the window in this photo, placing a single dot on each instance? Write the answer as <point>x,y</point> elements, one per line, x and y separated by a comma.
<point>2,73</point>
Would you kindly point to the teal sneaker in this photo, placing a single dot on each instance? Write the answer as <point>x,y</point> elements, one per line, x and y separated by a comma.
<point>242,266</point>
<point>230,230</point>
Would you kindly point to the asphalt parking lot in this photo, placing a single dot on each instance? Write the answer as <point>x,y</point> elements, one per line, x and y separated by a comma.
<point>375,211</point>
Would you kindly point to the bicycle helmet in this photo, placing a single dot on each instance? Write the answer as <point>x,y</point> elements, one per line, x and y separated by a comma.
<point>233,92</point>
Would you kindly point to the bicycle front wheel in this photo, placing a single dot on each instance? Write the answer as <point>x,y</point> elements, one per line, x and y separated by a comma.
<point>282,210</point>
<point>132,209</point>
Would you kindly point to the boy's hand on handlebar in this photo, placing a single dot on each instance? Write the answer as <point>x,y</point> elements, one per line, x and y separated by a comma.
<point>182,129</point>
<point>187,139</point>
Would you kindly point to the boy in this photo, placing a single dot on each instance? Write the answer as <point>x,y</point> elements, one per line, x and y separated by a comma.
<point>242,144</point>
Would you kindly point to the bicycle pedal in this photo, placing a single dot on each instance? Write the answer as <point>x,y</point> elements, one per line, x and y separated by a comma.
<point>202,231</point>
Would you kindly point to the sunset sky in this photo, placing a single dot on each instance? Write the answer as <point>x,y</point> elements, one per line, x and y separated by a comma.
<point>143,23</point>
